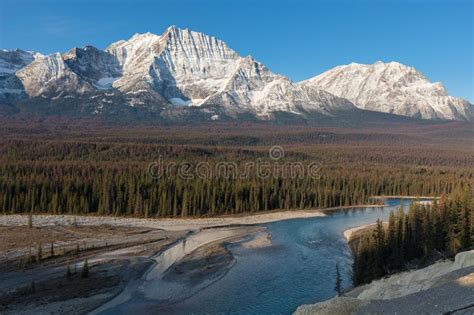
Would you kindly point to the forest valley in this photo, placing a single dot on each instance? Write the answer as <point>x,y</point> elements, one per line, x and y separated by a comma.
<point>76,167</point>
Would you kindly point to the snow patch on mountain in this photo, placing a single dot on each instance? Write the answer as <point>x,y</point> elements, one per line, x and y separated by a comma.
<point>193,69</point>
<point>180,102</point>
<point>105,83</point>
<point>49,75</point>
<point>97,67</point>
<point>182,68</point>
<point>392,88</point>
<point>12,61</point>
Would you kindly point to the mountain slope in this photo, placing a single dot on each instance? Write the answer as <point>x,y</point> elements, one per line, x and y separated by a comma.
<point>182,72</point>
<point>93,65</point>
<point>256,89</point>
<point>183,66</point>
<point>391,88</point>
<point>170,72</point>
<point>10,62</point>
<point>49,76</point>
<point>192,69</point>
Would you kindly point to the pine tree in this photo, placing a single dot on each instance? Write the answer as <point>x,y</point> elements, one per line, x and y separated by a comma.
<point>466,218</point>
<point>379,254</point>
<point>393,246</point>
<point>400,236</point>
<point>425,231</point>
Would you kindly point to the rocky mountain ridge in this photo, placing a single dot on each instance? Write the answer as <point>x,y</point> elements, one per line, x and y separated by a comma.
<point>391,88</point>
<point>181,70</point>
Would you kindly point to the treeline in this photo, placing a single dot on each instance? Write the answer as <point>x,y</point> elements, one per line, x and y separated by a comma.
<point>67,169</point>
<point>123,149</point>
<point>423,234</point>
<point>129,189</point>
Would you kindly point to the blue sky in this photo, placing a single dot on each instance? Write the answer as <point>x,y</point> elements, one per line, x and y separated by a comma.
<point>296,38</point>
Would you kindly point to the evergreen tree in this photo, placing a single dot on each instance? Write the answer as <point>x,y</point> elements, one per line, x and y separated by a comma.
<point>426,231</point>
<point>379,251</point>
<point>392,241</point>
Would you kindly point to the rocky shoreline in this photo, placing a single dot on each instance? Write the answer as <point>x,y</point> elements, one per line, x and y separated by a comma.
<point>446,287</point>
<point>169,224</point>
<point>130,252</point>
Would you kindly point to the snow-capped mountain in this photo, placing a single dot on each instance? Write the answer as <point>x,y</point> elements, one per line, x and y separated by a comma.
<point>191,68</point>
<point>49,76</point>
<point>11,62</point>
<point>93,65</point>
<point>179,68</point>
<point>185,71</point>
<point>391,88</point>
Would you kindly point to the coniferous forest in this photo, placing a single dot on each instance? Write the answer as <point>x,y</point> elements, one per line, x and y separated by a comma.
<point>423,234</point>
<point>57,167</point>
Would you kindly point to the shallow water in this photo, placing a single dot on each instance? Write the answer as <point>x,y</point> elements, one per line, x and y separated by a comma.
<point>298,269</point>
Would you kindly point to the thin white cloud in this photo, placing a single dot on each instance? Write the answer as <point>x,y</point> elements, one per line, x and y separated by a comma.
<point>56,26</point>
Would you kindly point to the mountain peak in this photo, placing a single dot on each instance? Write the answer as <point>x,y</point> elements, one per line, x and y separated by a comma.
<point>143,36</point>
<point>378,63</point>
<point>13,60</point>
<point>173,28</point>
<point>190,68</point>
<point>391,87</point>
<point>187,68</point>
<point>388,63</point>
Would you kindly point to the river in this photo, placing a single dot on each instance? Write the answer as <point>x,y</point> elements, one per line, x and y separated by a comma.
<point>299,268</point>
